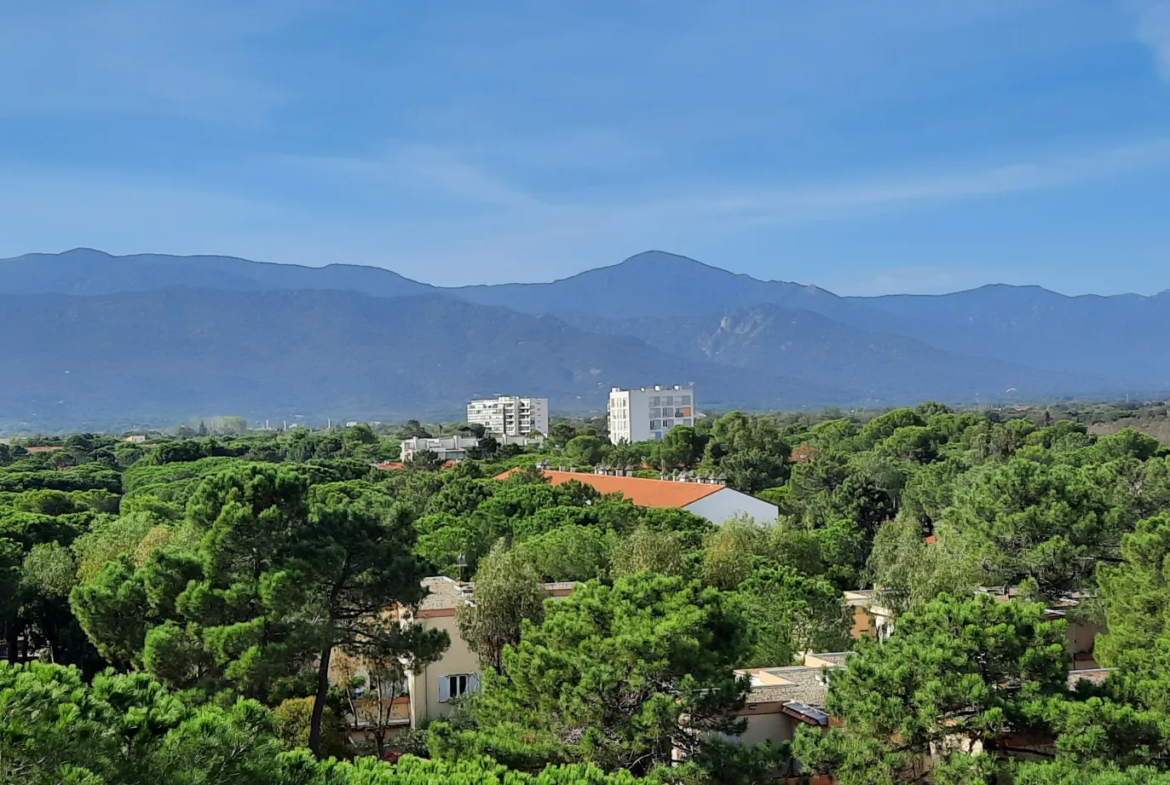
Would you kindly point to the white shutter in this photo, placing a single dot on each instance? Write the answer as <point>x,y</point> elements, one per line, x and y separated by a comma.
<point>444,689</point>
<point>473,683</point>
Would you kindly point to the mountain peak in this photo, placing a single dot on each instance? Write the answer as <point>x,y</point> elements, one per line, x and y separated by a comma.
<point>655,258</point>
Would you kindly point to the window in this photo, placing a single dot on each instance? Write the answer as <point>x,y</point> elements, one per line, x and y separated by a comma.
<point>687,421</point>
<point>655,425</point>
<point>456,686</point>
<point>684,400</point>
<point>655,401</point>
<point>668,400</point>
<point>668,423</point>
<point>658,434</point>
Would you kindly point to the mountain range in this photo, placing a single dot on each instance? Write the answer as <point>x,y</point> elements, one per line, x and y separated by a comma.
<point>103,341</point>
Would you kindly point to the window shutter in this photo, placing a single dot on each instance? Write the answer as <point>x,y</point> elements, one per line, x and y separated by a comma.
<point>473,683</point>
<point>444,689</point>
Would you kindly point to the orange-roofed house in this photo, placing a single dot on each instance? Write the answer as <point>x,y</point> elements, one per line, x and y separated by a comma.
<point>713,501</point>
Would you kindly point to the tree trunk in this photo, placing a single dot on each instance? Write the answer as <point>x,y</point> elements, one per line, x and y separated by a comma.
<point>319,700</point>
<point>380,741</point>
<point>13,636</point>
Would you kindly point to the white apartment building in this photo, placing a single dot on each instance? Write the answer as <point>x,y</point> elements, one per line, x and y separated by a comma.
<point>648,412</point>
<point>510,415</point>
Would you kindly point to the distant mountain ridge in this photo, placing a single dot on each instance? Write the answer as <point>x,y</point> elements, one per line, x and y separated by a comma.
<point>85,271</point>
<point>395,346</point>
<point>182,352</point>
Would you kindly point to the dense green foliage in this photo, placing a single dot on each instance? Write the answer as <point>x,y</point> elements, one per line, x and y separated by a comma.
<point>955,676</point>
<point>220,578</point>
<point>613,676</point>
<point>56,729</point>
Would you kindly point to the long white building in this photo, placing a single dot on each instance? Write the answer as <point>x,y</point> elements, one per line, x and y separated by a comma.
<point>510,415</point>
<point>648,412</point>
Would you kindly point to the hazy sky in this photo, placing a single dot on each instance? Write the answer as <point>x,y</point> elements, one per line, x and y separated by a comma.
<point>868,147</point>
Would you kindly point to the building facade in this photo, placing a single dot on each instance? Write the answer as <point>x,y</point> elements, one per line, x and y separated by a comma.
<point>436,689</point>
<point>446,448</point>
<point>510,415</point>
<point>452,448</point>
<point>648,412</point>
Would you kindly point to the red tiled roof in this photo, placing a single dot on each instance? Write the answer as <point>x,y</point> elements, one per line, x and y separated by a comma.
<point>644,493</point>
<point>43,448</point>
<point>387,465</point>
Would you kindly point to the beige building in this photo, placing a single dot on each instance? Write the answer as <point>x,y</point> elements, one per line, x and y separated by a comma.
<point>435,689</point>
<point>782,699</point>
<point>871,618</point>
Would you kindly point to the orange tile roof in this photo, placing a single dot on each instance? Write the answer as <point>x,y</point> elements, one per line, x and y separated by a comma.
<point>644,493</point>
<point>389,465</point>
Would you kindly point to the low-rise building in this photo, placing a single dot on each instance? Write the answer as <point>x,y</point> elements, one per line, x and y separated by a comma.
<point>873,618</point>
<point>510,415</point>
<point>706,498</point>
<point>445,448</point>
<point>781,699</point>
<point>454,448</point>
<point>436,688</point>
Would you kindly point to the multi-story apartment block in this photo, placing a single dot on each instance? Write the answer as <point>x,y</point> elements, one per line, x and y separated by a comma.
<point>648,412</point>
<point>510,415</point>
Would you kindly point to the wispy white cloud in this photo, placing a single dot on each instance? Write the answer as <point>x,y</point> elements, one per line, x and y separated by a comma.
<point>79,58</point>
<point>440,172</point>
<point>445,208</point>
<point>918,280</point>
<point>436,215</point>
<point>827,201</point>
<point>1153,30</point>
<point>445,173</point>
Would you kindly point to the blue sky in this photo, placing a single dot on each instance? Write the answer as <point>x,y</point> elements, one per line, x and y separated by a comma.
<point>916,146</point>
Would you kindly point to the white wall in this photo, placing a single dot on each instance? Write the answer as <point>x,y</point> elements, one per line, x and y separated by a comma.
<point>726,503</point>
<point>641,414</point>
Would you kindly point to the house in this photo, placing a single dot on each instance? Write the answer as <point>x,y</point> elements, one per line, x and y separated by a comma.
<point>707,499</point>
<point>780,700</point>
<point>783,699</point>
<point>435,688</point>
<point>379,709</point>
<point>1081,633</point>
<point>872,618</point>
